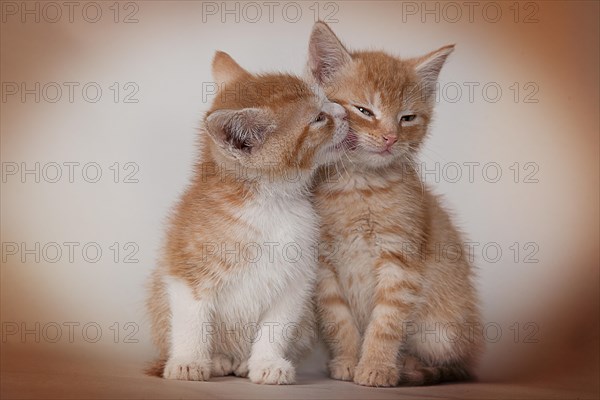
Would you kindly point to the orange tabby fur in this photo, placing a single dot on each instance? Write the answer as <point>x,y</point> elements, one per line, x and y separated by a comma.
<point>260,131</point>
<point>386,283</point>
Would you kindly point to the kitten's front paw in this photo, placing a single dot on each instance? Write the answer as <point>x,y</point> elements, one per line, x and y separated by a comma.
<point>367,374</point>
<point>186,370</point>
<point>221,365</point>
<point>272,372</point>
<point>342,369</point>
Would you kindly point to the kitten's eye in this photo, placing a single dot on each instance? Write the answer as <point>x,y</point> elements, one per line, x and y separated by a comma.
<point>320,118</point>
<point>365,111</point>
<point>407,118</point>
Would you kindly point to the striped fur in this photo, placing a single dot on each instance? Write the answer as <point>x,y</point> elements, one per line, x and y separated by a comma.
<point>226,297</point>
<point>393,308</point>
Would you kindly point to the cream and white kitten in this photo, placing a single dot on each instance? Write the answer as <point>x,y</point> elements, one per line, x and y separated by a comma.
<point>233,293</point>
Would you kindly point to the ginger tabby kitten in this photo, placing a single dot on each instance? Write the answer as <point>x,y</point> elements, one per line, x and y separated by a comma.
<point>233,291</point>
<point>392,307</point>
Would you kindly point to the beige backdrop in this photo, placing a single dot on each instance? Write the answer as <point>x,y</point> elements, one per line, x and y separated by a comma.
<point>123,96</point>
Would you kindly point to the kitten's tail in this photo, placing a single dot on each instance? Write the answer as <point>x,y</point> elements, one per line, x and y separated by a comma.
<point>156,367</point>
<point>423,376</point>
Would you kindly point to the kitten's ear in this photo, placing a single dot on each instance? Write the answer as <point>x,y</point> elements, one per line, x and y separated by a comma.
<point>240,132</point>
<point>326,54</point>
<point>428,67</point>
<point>225,69</point>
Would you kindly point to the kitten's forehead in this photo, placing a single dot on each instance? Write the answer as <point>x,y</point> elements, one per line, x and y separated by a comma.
<point>266,90</point>
<point>384,78</point>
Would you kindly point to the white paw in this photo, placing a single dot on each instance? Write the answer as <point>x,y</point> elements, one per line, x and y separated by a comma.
<point>240,368</point>
<point>187,370</point>
<point>272,372</point>
<point>221,365</point>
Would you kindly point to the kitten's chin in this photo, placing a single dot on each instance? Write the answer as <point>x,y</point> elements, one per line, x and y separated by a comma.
<point>374,160</point>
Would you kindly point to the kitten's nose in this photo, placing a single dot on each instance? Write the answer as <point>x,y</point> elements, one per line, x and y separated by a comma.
<point>390,140</point>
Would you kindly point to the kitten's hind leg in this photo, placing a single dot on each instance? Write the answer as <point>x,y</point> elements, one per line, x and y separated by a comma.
<point>415,373</point>
<point>222,365</point>
<point>240,368</point>
<point>438,351</point>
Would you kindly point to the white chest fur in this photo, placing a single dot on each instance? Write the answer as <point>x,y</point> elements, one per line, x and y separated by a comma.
<point>281,257</point>
<point>271,286</point>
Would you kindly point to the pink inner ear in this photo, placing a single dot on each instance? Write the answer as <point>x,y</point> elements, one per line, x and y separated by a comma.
<point>238,142</point>
<point>241,129</point>
<point>429,66</point>
<point>327,54</point>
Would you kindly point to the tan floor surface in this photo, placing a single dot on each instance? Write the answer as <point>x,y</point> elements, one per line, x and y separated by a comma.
<point>56,375</point>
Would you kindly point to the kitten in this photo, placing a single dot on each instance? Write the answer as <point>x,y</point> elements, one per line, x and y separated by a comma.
<point>393,307</point>
<point>233,292</point>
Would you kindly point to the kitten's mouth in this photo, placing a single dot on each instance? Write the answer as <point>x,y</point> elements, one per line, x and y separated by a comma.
<point>385,152</point>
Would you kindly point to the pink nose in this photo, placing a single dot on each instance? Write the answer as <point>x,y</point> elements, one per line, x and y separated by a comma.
<point>390,140</point>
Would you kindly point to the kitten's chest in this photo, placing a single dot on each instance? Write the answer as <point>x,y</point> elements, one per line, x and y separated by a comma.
<point>360,224</point>
<point>280,220</point>
<point>354,254</point>
<point>357,281</point>
<point>277,251</point>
